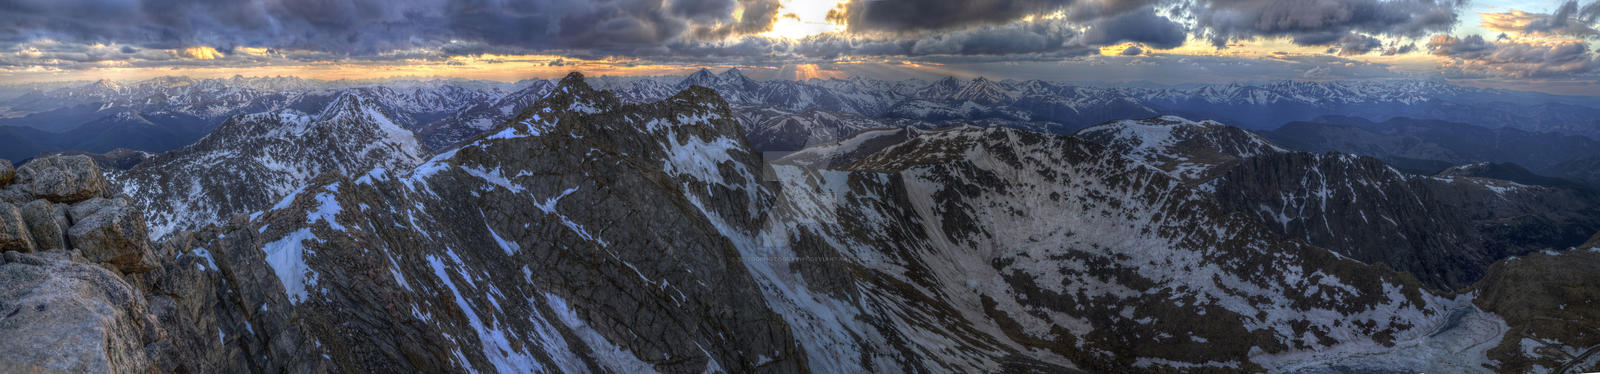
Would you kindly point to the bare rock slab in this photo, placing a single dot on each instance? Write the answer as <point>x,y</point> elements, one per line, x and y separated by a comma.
<point>62,179</point>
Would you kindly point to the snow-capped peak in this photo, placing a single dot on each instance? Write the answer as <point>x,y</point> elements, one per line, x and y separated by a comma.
<point>732,74</point>
<point>346,103</point>
<point>702,77</point>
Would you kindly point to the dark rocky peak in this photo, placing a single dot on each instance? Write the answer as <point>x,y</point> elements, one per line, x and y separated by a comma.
<point>941,89</point>
<point>537,88</point>
<point>572,94</point>
<point>733,74</point>
<point>703,77</point>
<point>576,109</point>
<point>733,77</point>
<point>348,103</point>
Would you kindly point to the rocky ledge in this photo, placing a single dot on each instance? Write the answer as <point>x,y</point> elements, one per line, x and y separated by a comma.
<point>73,259</point>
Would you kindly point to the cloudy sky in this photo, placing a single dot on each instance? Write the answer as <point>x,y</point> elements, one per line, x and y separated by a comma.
<point>1546,45</point>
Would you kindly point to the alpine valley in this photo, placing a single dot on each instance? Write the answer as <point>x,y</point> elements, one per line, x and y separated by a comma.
<point>719,223</point>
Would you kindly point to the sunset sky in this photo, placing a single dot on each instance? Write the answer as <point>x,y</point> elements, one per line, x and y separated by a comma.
<point>1520,44</point>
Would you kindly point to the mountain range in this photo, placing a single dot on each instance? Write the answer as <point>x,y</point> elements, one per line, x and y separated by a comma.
<point>180,110</point>
<point>568,228</point>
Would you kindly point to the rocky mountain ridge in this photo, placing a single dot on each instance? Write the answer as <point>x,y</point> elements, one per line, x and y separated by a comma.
<point>589,233</point>
<point>1446,228</point>
<point>252,161</point>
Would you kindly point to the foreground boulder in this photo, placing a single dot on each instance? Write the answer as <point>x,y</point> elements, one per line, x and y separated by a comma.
<point>63,315</point>
<point>13,231</point>
<point>62,179</point>
<point>111,231</point>
<point>47,224</point>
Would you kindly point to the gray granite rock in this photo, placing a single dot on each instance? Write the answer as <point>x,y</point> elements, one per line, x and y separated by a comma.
<point>14,235</point>
<point>62,179</point>
<point>111,231</point>
<point>47,223</point>
<point>63,315</point>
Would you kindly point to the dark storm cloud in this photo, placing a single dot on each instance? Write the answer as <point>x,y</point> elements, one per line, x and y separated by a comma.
<point>1470,47</point>
<point>1041,37</point>
<point>924,15</point>
<point>701,9</point>
<point>915,15</point>
<point>1014,38</point>
<point>716,22</point>
<point>1319,22</point>
<point>1473,55</point>
<point>368,26</point>
<point>1355,44</point>
<point>1140,26</point>
<point>1396,49</point>
<point>1132,51</point>
<point>153,32</point>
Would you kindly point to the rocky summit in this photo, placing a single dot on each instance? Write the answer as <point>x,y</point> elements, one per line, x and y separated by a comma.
<point>592,233</point>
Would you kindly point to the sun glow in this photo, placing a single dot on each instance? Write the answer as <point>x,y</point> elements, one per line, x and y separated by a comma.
<point>801,18</point>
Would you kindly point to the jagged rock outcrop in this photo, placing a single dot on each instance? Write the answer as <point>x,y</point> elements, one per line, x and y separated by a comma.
<point>69,295</point>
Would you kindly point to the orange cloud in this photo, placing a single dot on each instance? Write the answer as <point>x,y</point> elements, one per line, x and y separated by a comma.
<point>201,53</point>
